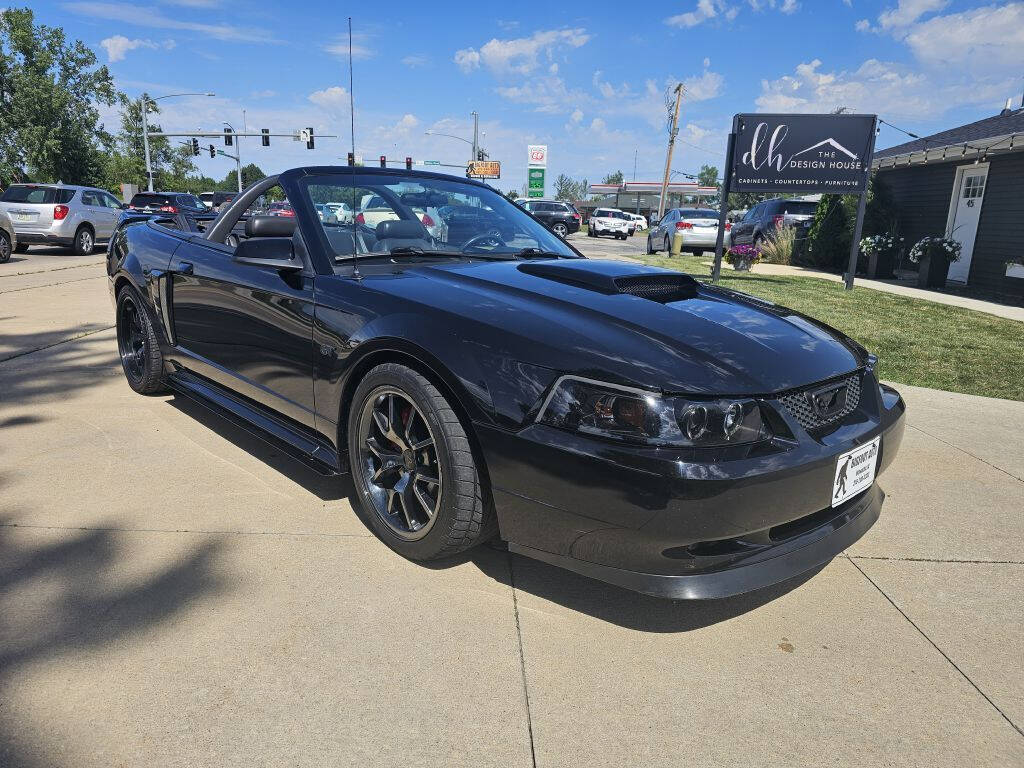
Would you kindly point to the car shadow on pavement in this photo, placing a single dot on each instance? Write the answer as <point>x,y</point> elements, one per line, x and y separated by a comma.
<point>66,593</point>
<point>324,487</point>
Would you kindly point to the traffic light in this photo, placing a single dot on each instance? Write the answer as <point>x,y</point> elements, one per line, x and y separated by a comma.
<point>383,161</point>
<point>266,136</point>
<point>480,154</point>
<point>408,163</point>
<point>195,146</point>
<point>228,138</point>
<point>351,158</point>
<point>309,141</point>
<point>213,151</point>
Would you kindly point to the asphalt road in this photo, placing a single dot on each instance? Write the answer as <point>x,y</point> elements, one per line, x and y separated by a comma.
<point>174,592</point>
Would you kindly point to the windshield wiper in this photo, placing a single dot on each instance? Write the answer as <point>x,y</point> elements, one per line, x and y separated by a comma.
<point>538,253</point>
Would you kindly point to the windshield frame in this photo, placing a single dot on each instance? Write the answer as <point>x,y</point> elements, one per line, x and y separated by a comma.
<point>297,182</point>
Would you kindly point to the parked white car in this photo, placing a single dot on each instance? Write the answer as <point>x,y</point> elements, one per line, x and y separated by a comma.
<point>334,213</point>
<point>610,221</point>
<point>8,238</point>
<point>641,221</point>
<point>698,227</point>
<point>373,209</point>
<point>61,214</point>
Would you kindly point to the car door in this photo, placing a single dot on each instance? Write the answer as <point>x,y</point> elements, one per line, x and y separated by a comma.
<point>248,328</point>
<point>113,206</point>
<point>95,212</point>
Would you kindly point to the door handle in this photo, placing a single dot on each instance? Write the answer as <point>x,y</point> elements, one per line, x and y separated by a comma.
<point>185,268</point>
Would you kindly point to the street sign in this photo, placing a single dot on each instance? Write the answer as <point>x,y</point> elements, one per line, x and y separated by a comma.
<point>485,169</point>
<point>431,162</point>
<point>537,155</point>
<point>802,153</point>
<point>535,182</point>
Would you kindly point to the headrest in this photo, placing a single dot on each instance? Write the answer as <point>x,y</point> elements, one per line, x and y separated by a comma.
<point>405,229</point>
<point>269,226</point>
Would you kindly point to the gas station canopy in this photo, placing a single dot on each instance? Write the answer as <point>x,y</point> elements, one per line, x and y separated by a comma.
<point>674,188</point>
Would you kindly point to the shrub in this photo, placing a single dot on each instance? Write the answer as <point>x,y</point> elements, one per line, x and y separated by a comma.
<point>779,246</point>
<point>749,253</point>
<point>828,243</point>
<point>945,247</point>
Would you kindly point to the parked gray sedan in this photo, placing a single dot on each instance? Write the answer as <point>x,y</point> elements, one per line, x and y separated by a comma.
<point>60,214</point>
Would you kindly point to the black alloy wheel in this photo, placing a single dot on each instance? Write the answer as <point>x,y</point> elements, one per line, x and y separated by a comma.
<point>137,344</point>
<point>415,474</point>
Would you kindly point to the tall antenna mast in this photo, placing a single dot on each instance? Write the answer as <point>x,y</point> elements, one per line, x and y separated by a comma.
<point>352,133</point>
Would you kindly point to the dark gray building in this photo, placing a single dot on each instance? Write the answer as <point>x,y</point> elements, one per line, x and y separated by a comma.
<point>966,183</point>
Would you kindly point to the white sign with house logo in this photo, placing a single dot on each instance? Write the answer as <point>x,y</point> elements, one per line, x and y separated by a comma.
<point>537,155</point>
<point>855,471</point>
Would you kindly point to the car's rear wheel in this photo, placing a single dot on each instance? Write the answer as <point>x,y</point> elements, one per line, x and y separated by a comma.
<point>561,230</point>
<point>137,344</point>
<point>668,246</point>
<point>5,247</point>
<point>85,241</point>
<point>416,477</point>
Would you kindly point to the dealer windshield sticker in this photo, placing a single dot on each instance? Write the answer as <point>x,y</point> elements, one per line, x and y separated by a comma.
<point>855,471</point>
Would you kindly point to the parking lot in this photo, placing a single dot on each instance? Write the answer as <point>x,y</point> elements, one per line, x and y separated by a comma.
<point>175,592</point>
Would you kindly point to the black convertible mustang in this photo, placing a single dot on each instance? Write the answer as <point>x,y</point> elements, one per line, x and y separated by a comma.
<point>479,377</point>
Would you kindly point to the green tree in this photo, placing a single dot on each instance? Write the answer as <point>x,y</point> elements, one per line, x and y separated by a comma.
<point>707,176</point>
<point>49,92</point>
<point>250,173</point>
<point>613,178</point>
<point>512,195</point>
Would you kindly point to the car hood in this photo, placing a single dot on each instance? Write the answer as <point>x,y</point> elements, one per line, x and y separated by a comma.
<point>690,337</point>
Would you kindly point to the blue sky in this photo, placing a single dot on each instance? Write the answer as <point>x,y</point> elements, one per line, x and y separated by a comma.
<point>585,79</point>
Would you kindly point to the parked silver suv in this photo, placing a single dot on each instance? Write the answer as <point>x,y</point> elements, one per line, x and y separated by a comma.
<point>61,214</point>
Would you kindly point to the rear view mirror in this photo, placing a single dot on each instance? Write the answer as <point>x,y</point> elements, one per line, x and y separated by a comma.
<point>270,252</point>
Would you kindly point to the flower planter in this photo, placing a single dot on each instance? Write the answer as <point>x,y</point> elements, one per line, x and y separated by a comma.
<point>932,271</point>
<point>881,265</point>
<point>742,265</point>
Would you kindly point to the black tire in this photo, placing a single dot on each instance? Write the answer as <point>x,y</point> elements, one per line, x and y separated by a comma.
<point>85,241</point>
<point>21,248</point>
<point>668,246</point>
<point>463,517</point>
<point>5,247</point>
<point>590,232</point>
<point>138,345</point>
<point>561,230</point>
<point>650,245</point>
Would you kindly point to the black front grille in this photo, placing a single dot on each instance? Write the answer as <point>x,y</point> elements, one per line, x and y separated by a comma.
<point>801,407</point>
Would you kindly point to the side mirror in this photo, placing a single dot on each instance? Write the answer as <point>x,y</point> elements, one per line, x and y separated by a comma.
<point>270,252</point>
<point>123,206</point>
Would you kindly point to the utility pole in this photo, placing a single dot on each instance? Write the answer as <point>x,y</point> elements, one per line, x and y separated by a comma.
<point>671,144</point>
<point>476,136</point>
<point>144,111</point>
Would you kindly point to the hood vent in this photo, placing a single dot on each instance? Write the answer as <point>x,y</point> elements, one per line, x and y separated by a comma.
<point>615,277</point>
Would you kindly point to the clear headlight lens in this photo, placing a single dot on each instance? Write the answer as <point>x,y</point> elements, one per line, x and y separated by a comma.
<point>606,410</point>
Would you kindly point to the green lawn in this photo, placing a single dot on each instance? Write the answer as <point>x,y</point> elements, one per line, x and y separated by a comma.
<point>917,342</point>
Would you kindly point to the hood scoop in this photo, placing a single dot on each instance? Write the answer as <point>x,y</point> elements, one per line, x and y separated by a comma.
<point>611,277</point>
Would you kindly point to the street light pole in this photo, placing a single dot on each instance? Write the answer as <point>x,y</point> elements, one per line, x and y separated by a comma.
<point>238,158</point>
<point>476,137</point>
<point>145,100</point>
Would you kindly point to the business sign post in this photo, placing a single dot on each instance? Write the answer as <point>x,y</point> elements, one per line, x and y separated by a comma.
<point>537,163</point>
<point>789,154</point>
<point>484,169</point>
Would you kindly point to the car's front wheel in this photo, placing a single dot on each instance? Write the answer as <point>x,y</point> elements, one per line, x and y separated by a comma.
<point>417,480</point>
<point>137,344</point>
<point>5,247</point>
<point>650,245</point>
<point>561,230</point>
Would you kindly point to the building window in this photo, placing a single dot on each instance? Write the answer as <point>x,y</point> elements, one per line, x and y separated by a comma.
<point>974,186</point>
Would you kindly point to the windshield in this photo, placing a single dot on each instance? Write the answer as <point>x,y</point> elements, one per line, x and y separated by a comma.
<point>403,215</point>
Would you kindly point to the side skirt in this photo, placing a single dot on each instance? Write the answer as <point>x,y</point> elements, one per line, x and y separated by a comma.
<point>311,451</point>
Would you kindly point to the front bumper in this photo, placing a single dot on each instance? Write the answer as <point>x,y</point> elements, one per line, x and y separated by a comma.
<point>659,521</point>
<point>599,230</point>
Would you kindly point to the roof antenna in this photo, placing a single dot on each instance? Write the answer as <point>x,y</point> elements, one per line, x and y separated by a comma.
<point>352,133</point>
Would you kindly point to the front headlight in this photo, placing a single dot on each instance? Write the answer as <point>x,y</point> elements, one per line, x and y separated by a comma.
<point>623,413</point>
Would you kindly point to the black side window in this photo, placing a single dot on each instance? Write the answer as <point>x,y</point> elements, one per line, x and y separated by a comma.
<point>64,196</point>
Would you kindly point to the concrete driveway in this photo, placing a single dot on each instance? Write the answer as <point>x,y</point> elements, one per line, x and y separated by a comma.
<point>175,592</point>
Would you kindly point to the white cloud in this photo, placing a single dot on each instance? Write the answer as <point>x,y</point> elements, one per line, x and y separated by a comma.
<point>415,61</point>
<point>703,87</point>
<point>333,98</point>
<point>907,12</point>
<point>118,45</point>
<point>264,94</point>
<point>789,6</point>
<point>553,69</point>
<point>706,9</point>
<point>577,115</point>
<point>147,16</point>
<point>984,41</point>
<point>360,47</point>
<point>885,88</point>
<point>782,6</point>
<point>519,55</point>
<point>407,123</point>
<point>862,26</point>
<point>547,94</point>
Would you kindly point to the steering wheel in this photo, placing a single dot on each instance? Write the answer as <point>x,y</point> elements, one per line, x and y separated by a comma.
<point>492,238</point>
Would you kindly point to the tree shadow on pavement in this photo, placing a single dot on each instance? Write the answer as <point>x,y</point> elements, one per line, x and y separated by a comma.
<point>68,593</point>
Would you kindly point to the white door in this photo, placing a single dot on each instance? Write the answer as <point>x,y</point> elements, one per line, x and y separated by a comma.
<point>965,213</point>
